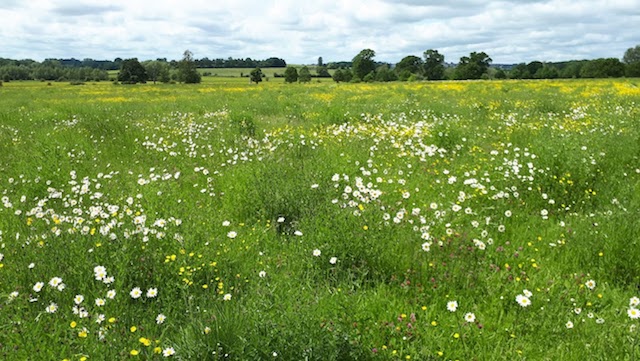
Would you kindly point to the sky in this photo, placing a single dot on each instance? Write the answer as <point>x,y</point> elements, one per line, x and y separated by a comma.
<point>300,31</point>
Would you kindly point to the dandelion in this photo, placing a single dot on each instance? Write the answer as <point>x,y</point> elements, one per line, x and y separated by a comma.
<point>569,325</point>
<point>633,313</point>
<point>152,292</point>
<point>160,319</point>
<point>317,252</point>
<point>134,352</point>
<point>38,286</point>
<point>169,351</point>
<point>523,300</point>
<point>591,284</point>
<point>452,306</point>
<point>145,341</point>
<point>135,292</point>
<point>52,308</point>
<point>469,317</point>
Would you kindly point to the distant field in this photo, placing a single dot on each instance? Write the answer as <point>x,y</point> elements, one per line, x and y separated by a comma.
<point>476,220</point>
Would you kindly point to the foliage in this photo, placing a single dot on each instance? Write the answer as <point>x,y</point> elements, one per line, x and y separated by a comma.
<point>632,55</point>
<point>291,74</point>
<point>304,76</point>
<point>411,64</point>
<point>323,72</point>
<point>187,70</point>
<point>363,64</point>
<point>132,72</point>
<point>157,71</point>
<point>473,66</point>
<point>603,68</point>
<point>256,75</point>
<point>433,65</point>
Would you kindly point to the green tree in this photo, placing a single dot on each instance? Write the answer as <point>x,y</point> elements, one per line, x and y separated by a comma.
<point>322,72</point>
<point>290,75</point>
<point>256,75</point>
<point>632,55</point>
<point>410,63</point>
<point>433,65</point>
<point>157,70</point>
<point>304,76</point>
<point>132,72</point>
<point>533,67</point>
<point>187,70</point>
<point>473,66</point>
<point>338,76</point>
<point>363,63</point>
<point>500,74</point>
<point>384,74</point>
<point>320,63</point>
<point>603,68</point>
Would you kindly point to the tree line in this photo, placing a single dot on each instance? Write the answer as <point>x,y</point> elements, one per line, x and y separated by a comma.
<point>362,68</point>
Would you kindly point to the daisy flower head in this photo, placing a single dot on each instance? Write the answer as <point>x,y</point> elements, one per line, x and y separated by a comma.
<point>333,260</point>
<point>317,252</point>
<point>569,325</point>
<point>78,299</point>
<point>634,301</point>
<point>262,274</point>
<point>52,308</point>
<point>169,351</point>
<point>232,234</point>
<point>470,317</point>
<point>633,313</point>
<point>152,292</point>
<point>227,297</point>
<point>55,282</point>
<point>452,306</point>
<point>38,286</point>
<point>591,284</point>
<point>111,294</point>
<point>426,246</point>
<point>135,293</point>
<point>523,300</point>
<point>160,319</point>
<point>527,293</point>
<point>100,302</point>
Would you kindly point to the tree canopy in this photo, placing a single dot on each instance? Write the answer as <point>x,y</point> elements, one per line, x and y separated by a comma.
<point>256,75</point>
<point>363,64</point>
<point>132,72</point>
<point>187,69</point>
<point>291,75</point>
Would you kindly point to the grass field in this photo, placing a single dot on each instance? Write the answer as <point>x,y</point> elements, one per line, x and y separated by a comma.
<point>409,221</point>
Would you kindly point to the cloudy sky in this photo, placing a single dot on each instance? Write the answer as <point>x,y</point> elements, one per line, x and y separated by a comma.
<point>300,31</point>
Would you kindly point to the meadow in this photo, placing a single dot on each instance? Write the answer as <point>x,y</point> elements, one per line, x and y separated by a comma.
<point>482,220</point>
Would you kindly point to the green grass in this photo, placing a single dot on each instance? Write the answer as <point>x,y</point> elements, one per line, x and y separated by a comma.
<point>320,221</point>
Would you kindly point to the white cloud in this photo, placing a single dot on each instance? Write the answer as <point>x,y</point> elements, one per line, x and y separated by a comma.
<point>508,30</point>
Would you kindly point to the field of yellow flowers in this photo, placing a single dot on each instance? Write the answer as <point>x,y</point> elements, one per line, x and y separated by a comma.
<point>412,221</point>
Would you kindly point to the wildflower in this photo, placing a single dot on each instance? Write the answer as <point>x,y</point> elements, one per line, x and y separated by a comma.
<point>469,317</point>
<point>452,306</point>
<point>226,223</point>
<point>227,297</point>
<point>145,341</point>
<point>333,260</point>
<point>38,286</point>
<point>262,274</point>
<point>298,233</point>
<point>55,282</point>
<point>78,299</point>
<point>100,318</point>
<point>52,308</point>
<point>134,352</point>
<point>600,321</point>
<point>634,301</point>
<point>152,292</point>
<point>426,246</point>
<point>317,252</point>
<point>207,330</point>
<point>527,293</point>
<point>232,234</point>
<point>135,292</point>
<point>591,284</point>
<point>111,294</point>
<point>73,324</point>
<point>633,313</point>
<point>133,328</point>
<point>569,324</point>
<point>523,300</point>
<point>160,318</point>
<point>100,302</point>
<point>169,351</point>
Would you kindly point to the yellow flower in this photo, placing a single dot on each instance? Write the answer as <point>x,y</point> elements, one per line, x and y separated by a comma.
<point>112,320</point>
<point>73,324</point>
<point>134,352</point>
<point>434,323</point>
<point>133,328</point>
<point>145,341</point>
<point>157,350</point>
<point>456,335</point>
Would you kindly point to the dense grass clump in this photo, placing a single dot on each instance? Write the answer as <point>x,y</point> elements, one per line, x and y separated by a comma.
<point>425,221</point>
